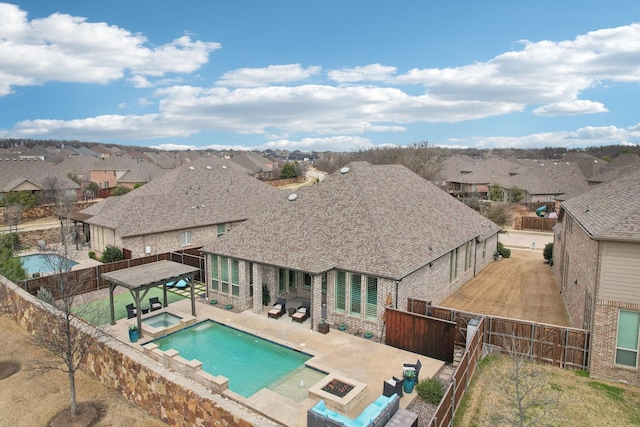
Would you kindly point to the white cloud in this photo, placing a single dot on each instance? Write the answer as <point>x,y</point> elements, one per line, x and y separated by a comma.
<point>372,72</point>
<point>65,48</point>
<point>571,108</point>
<point>582,137</point>
<point>543,72</point>
<point>334,143</point>
<point>273,74</point>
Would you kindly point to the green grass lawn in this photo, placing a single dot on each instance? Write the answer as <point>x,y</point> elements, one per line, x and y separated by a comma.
<point>97,312</point>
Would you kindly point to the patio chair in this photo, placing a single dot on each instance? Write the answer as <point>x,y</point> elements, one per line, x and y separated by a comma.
<point>394,385</point>
<point>302,313</point>
<point>181,284</point>
<point>131,311</point>
<point>154,303</point>
<point>278,309</point>
<point>417,366</point>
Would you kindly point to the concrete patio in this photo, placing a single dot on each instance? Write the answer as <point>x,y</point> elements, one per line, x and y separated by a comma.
<point>366,361</point>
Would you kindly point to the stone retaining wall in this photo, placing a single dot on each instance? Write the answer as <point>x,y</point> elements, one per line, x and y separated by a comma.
<point>163,393</point>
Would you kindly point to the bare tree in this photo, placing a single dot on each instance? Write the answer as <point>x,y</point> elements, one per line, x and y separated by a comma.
<point>13,215</point>
<point>69,338</point>
<point>51,186</point>
<point>522,392</point>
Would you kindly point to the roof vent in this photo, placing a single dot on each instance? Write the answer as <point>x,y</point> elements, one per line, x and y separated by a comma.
<point>208,167</point>
<point>224,166</point>
<point>192,168</point>
<point>292,197</point>
<point>344,170</point>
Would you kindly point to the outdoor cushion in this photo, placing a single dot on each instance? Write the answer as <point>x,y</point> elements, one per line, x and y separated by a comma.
<point>277,307</point>
<point>382,400</point>
<point>302,310</point>
<point>320,406</point>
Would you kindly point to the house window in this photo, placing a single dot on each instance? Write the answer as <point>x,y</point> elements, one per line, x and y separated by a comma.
<point>307,281</point>
<point>214,273</point>
<point>324,283</point>
<point>224,274</point>
<point>292,280</point>
<point>282,284</point>
<point>453,265</point>
<point>484,249</point>
<point>185,238</point>
<point>359,298</point>
<point>235,277</point>
<point>221,229</point>
<point>372,298</point>
<point>356,294</point>
<point>467,256</point>
<point>341,291</point>
<point>628,336</point>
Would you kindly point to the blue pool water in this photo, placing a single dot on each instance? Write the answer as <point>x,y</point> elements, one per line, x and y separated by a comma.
<point>251,363</point>
<point>46,263</point>
<point>162,320</point>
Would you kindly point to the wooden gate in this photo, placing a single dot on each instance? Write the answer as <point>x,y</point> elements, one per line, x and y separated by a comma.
<point>420,334</point>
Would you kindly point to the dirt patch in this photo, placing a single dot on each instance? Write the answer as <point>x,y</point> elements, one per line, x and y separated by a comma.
<point>520,287</point>
<point>88,414</point>
<point>33,398</point>
<point>8,368</point>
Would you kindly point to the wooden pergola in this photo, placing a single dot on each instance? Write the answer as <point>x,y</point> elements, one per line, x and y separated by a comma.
<point>144,277</point>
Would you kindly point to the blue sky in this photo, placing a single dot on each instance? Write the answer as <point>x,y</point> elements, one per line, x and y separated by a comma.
<point>321,75</point>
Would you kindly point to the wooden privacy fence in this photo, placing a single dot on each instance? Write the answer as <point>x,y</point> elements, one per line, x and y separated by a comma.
<point>535,223</point>
<point>89,279</point>
<point>556,345</point>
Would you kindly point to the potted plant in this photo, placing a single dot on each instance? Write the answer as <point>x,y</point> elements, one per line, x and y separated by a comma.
<point>213,302</point>
<point>133,333</point>
<point>342,326</point>
<point>229,306</point>
<point>368,335</point>
<point>409,376</point>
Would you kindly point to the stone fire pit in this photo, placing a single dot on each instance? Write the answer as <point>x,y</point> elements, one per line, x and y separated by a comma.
<point>339,393</point>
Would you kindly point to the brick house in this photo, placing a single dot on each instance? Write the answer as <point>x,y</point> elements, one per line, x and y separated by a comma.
<point>596,255</point>
<point>182,209</point>
<point>348,244</point>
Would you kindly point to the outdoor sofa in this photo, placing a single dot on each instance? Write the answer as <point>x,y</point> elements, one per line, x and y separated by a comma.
<point>377,414</point>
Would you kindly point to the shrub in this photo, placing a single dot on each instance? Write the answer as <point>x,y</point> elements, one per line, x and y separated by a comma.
<point>501,250</point>
<point>547,253</point>
<point>111,254</point>
<point>45,295</point>
<point>92,255</point>
<point>431,390</point>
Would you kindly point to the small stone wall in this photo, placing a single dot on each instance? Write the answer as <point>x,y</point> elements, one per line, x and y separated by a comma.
<point>159,390</point>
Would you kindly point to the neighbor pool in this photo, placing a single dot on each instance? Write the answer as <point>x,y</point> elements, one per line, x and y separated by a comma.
<point>46,263</point>
<point>250,362</point>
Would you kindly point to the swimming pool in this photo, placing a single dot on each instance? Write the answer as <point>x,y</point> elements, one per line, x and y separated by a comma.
<point>250,362</point>
<point>46,263</point>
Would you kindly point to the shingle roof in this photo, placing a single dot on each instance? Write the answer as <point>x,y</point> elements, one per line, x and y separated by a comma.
<point>14,172</point>
<point>187,197</point>
<point>380,220</point>
<point>611,210</point>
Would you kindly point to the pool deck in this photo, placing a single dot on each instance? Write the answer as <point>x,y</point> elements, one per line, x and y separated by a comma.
<point>363,360</point>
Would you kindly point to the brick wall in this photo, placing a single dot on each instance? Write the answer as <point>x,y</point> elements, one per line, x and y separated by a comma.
<point>161,392</point>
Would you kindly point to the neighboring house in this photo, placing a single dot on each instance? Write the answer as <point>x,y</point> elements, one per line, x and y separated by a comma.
<point>184,208</point>
<point>259,165</point>
<point>363,235</point>
<point>35,176</point>
<point>122,171</point>
<point>596,255</point>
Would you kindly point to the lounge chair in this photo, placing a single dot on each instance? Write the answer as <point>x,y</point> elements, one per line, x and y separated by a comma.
<point>417,366</point>
<point>181,284</point>
<point>393,386</point>
<point>278,309</point>
<point>302,313</point>
<point>154,303</point>
<point>131,311</point>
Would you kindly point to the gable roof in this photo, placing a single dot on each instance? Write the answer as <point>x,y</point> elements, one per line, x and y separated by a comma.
<point>611,211</point>
<point>206,192</point>
<point>16,171</point>
<point>380,220</point>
